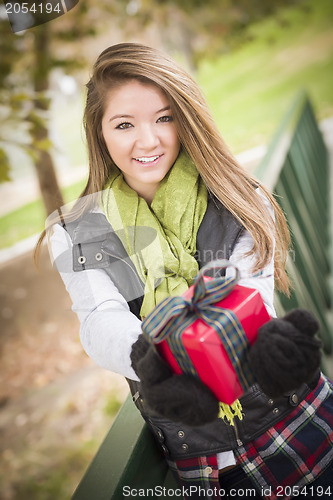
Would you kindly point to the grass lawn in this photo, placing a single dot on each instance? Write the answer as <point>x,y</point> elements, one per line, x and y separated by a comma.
<point>30,219</point>
<point>248,91</point>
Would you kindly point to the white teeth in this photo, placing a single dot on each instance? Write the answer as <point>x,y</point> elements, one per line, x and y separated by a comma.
<point>147,160</point>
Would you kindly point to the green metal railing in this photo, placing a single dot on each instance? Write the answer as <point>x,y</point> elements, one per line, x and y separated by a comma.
<point>296,168</point>
<point>128,459</point>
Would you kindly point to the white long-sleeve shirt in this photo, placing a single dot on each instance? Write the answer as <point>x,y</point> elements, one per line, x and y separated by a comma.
<point>109,329</point>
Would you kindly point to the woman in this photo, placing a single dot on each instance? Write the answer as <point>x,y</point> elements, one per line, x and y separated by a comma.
<point>163,198</point>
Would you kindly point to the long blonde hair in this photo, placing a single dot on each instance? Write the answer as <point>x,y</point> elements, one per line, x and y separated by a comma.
<point>198,134</point>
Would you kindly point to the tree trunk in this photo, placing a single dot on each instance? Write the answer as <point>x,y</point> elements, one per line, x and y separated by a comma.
<point>44,164</point>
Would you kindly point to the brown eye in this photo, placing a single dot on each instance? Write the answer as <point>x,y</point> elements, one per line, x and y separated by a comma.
<point>124,126</point>
<point>165,119</point>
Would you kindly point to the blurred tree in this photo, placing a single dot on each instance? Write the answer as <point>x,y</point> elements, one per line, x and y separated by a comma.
<point>13,97</point>
<point>201,28</point>
<point>46,173</point>
<point>27,60</point>
<point>23,86</point>
<point>190,28</point>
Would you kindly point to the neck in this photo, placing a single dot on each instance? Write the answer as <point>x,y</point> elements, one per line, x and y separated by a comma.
<point>147,192</point>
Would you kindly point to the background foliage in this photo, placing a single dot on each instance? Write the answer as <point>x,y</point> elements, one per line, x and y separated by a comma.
<point>249,61</point>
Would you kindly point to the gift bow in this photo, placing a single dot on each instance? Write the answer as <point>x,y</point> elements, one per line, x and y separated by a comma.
<point>174,314</point>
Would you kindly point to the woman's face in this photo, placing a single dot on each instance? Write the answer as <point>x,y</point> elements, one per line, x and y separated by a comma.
<point>140,135</point>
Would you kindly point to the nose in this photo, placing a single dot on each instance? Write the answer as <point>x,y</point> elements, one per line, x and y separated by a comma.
<point>147,138</point>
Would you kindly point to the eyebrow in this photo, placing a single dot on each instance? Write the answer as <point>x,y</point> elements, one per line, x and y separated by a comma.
<point>120,116</point>
<point>166,108</point>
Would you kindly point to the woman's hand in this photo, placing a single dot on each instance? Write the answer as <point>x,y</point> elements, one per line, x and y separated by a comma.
<point>286,353</point>
<point>181,398</point>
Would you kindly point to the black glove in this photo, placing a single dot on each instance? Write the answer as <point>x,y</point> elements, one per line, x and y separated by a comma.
<point>286,353</point>
<point>181,398</point>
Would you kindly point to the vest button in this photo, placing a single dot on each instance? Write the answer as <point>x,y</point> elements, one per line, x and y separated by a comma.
<point>136,396</point>
<point>270,402</point>
<point>293,399</point>
<point>82,259</point>
<point>208,470</point>
<point>160,435</point>
<point>165,449</point>
<point>185,446</point>
<point>276,411</point>
<point>181,434</point>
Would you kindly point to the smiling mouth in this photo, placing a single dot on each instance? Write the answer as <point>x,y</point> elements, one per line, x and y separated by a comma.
<point>148,159</point>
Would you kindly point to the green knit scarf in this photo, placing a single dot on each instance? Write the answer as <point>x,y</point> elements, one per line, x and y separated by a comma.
<point>167,265</point>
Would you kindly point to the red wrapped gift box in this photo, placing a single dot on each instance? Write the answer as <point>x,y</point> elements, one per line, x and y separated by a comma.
<point>204,347</point>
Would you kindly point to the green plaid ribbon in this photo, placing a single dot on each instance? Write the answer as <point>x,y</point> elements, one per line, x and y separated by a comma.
<point>173,315</point>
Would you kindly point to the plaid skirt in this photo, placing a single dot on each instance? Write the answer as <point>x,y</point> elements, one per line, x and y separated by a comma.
<point>291,454</point>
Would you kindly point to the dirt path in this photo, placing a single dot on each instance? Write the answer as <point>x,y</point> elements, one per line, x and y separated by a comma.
<point>56,405</point>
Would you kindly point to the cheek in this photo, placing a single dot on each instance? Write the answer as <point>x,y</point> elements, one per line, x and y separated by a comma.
<point>105,137</point>
<point>175,136</point>
<point>109,145</point>
<point>175,142</point>
<point>171,137</point>
<point>108,136</point>
<point>116,145</point>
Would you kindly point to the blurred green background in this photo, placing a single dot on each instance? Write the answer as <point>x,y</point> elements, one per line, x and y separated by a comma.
<point>248,68</point>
